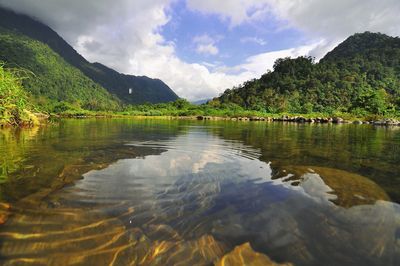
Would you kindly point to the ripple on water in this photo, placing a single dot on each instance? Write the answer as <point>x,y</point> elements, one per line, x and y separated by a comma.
<point>201,200</point>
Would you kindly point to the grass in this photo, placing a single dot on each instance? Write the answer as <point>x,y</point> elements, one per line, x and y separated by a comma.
<point>14,109</point>
<point>193,111</point>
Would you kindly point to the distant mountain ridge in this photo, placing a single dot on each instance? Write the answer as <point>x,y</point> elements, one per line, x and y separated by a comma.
<point>202,101</point>
<point>143,89</point>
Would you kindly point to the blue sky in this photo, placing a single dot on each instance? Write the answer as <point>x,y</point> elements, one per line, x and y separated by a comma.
<point>234,43</point>
<point>202,47</point>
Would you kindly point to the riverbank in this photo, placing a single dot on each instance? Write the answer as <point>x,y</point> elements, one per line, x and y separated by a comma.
<point>317,118</point>
<point>26,120</point>
<point>346,119</point>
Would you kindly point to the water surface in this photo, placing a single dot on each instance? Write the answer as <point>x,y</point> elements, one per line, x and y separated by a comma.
<point>153,192</point>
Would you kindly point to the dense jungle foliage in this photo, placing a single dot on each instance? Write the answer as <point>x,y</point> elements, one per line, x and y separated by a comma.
<point>361,76</point>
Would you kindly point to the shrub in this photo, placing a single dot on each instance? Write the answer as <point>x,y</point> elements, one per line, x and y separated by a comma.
<point>13,99</point>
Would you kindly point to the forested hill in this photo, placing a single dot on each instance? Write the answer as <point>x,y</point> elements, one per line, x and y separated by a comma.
<point>144,89</point>
<point>361,76</point>
<point>53,84</point>
<point>370,46</point>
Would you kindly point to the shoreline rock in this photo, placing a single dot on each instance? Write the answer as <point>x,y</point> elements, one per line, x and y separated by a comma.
<point>298,119</point>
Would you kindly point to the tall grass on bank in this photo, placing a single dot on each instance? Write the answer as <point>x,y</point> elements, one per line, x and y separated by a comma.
<point>13,100</point>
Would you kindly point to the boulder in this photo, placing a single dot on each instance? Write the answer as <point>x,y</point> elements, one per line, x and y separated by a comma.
<point>379,122</point>
<point>337,120</point>
<point>300,119</point>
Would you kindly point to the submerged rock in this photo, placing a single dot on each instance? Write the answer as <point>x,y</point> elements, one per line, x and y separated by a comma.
<point>245,255</point>
<point>4,212</point>
<point>202,251</point>
<point>349,188</point>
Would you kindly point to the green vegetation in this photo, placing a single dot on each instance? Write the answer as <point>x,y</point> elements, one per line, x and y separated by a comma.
<point>226,110</point>
<point>53,83</point>
<point>13,100</point>
<point>361,77</point>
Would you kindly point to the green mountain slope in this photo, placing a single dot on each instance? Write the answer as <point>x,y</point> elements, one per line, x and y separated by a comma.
<point>144,89</point>
<point>370,46</point>
<point>49,79</point>
<point>362,76</point>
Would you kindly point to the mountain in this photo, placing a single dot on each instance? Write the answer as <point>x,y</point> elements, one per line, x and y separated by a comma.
<point>49,78</point>
<point>143,89</point>
<point>371,46</point>
<point>361,75</point>
<point>200,102</point>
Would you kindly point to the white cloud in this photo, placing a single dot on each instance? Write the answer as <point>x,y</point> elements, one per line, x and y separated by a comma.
<point>208,49</point>
<point>205,38</point>
<point>257,65</point>
<point>255,40</point>
<point>339,17</point>
<point>206,45</point>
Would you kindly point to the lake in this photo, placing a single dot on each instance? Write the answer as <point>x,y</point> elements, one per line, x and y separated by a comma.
<point>174,192</point>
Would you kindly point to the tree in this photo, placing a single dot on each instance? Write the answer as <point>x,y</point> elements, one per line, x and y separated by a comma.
<point>181,104</point>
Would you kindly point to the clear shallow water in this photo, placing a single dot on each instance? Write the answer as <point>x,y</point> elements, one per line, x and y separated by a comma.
<point>169,192</point>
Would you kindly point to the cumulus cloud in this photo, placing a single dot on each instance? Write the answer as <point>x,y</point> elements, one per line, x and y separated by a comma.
<point>206,45</point>
<point>208,49</point>
<point>340,17</point>
<point>117,31</point>
<point>126,34</point>
<point>255,40</point>
<point>257,65</point>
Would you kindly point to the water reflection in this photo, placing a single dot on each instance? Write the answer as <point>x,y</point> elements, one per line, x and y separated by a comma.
<point>187,194</point>
<point>340,187</point>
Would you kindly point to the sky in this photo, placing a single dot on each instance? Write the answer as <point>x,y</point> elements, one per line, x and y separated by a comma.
<point>202,47</point>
